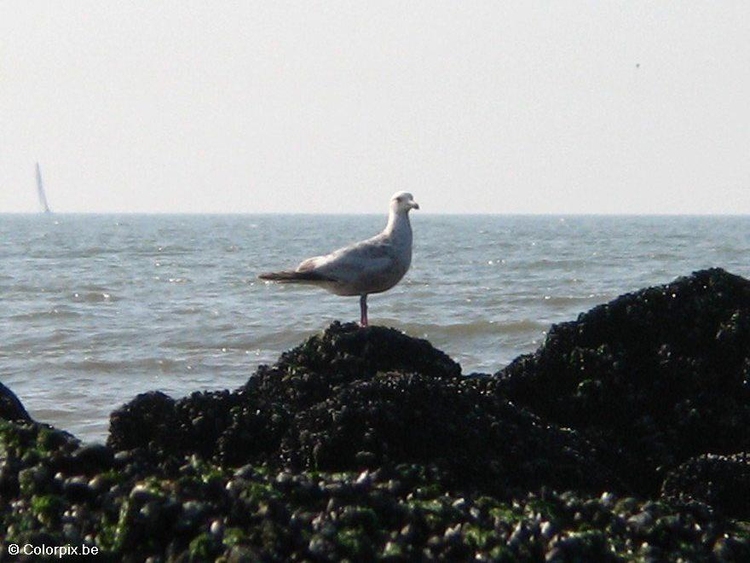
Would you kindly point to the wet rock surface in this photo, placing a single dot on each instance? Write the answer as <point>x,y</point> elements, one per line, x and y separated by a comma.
<point>720,481</point>
<point>354,410</point>
<point>658,376</point>
<point>367,444</point>
<point>11,407</point>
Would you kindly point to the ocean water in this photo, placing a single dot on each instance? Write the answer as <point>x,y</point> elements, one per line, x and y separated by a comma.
<point>98,308</point>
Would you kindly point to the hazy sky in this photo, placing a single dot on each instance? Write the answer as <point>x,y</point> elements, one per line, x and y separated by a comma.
<point>483,107</point>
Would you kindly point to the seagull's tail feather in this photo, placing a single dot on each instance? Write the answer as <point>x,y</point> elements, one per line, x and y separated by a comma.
<point>294,277</point>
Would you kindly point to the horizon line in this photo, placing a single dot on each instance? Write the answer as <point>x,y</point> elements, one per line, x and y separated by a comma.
<point>354,213</point>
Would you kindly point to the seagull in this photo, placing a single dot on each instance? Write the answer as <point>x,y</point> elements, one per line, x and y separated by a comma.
<point>371,266</point>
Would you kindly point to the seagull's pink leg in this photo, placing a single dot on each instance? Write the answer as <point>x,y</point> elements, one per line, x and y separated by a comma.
<point>363,310</point>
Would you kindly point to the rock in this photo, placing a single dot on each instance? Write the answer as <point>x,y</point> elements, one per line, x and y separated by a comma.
<point>248,425</point>
<point>659,375</point>
<point>720,481</point>
<point>93,458</point>
<point>346,351</point>
<point>343,354</point>
<point>474,438</point>
<point>10,407</point>
<point>77,489</point>
<point>148,417</point>
<point>234,427</point>
<point>354,399</point>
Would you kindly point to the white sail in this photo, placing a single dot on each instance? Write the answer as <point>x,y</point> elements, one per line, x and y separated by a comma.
<point>40,190</point>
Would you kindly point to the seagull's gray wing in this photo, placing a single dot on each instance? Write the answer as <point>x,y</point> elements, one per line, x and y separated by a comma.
<point>370,266</point>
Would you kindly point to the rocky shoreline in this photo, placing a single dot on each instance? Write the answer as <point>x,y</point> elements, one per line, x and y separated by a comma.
<point>623,438</point>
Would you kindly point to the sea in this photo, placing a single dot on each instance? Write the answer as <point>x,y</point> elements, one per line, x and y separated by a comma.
<point>95,309</point>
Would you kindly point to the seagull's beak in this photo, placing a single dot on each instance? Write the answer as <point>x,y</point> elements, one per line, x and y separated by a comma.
<point>413,205</point>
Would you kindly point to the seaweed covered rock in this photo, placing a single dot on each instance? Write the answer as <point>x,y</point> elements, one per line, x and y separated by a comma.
<point>248,424</point>
<point>475,438</point>
<point>11,407</point>
<point>344,353</point>
<point>148,417</point>
<point>660,375</point>
<point>203,512</point>
<point>720,481</point>
<point>31,454</point>
<point>351,352</point>
<point>353,399</point>
<point>164,426</point>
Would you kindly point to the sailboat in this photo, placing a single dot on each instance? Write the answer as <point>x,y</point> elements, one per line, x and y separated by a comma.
<point>40,191</point>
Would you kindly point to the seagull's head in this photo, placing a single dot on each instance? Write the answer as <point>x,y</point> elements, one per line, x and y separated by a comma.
<point>403,202</point>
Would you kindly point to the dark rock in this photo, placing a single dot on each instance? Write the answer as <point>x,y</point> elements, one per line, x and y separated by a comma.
<point>148,417</point>
<point>402,512</point>
<point>659,375</point>
<point>341,355</point>
<point>347,351</point>
<point>77,489</point>
<point>93,458</point>
<point>233,427</point>
<point>720,481</point>
<point>351,399</point>
<point>249,424</point>
<point>10,407</point>
<point>474,438</point>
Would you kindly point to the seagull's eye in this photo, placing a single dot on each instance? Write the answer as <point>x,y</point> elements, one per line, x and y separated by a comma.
<point>399,199</point>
